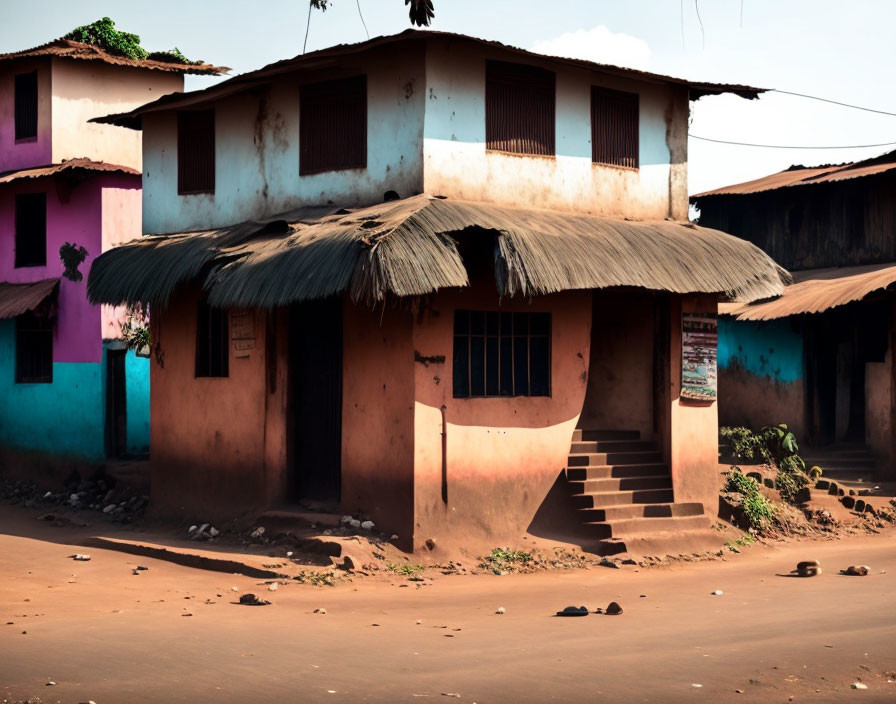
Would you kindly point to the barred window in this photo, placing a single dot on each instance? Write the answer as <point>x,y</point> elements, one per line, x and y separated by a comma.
<point>31,230</point>
<point>333,126</point>
<point>501,354</point>
<point>520,109</point>
<point>34,349</point>
<point>26,105</point>
<point>614,128</point>
<point>196,152</point>
<point>212,341</point>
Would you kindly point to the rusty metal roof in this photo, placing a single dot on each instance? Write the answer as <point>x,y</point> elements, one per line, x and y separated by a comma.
<point>16,299</point>
<point>68,49</point>
<point>818,290</point>
<point>326,57</point>
<point>78,166</point>
<point>808,176</point>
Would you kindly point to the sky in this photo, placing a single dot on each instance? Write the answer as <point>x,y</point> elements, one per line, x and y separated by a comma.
<point>838,50</point>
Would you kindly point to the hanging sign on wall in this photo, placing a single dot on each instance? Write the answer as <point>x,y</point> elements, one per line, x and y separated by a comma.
<point>699,338</point>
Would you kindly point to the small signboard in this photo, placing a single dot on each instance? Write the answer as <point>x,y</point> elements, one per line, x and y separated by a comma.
<point>699,340</point>
<point>242,332</point>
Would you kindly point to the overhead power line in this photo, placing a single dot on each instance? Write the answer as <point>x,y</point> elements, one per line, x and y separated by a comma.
<point>833,102</point>
<point>789,146</point>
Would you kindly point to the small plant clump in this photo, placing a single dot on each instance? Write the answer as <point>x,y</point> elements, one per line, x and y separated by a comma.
<point>502,560</point>
<point>758,510</point>
<point>744,444</point>
<point>316,579</point>
<point>135,330</point>
<point>412,572</point>
<point>104,35</point>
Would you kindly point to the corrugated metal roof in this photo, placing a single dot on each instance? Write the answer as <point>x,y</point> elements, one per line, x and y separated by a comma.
<point>72,166</point>
<point>68,49</point>
<point>326,57</point>
<point>406,248</point>
<point>818,290</point>
<point>808,176</point>
<point>16,299</point>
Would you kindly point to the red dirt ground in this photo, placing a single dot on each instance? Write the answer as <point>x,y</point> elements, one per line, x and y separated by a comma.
<point>104,634</point>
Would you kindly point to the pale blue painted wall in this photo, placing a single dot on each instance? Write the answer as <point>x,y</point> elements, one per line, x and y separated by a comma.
<point>65,417</point>
<point>137,375</point>
<point>772,349</point>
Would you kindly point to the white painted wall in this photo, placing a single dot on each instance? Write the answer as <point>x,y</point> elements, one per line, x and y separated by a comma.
<point>86,89</point>
<point>457,164</point>
<point>257,150</point>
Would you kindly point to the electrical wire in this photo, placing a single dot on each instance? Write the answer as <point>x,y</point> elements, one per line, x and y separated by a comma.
<point>700,20</point>
<point>833,102</point>
<point>307,27</point>
<point>358,3</point>
<point>788,146</point>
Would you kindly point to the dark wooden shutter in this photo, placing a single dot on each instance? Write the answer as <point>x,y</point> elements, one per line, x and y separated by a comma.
<point>614,128</point>
<point>212,341</point>
<point>34,349</point>
<point>31,229</point>
<point>26,105</point>
<point>333,126</point>
<point>520,109</point>
<point>196,152</point>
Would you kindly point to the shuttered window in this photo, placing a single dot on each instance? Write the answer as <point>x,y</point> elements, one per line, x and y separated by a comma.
<point>333,126</point>
<point>196,152</point>
<point>26,105</point>
<point>212,341</point>
<point>520,109</point>
<point>31,229</point>
<point>34,349</point>
<point>614,128</point>
<point>501,354</point>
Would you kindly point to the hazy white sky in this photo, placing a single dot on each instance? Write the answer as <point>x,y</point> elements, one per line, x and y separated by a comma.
<point>834,49</point>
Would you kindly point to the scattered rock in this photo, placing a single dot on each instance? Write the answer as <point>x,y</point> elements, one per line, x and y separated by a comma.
<point>856,570</point>
<point>354,523</point>
<point>394,537</point>
<point>272,587</point>
<point>848,502</point>
<point>323,612</point>
<point>367,525</point>
<point>613,609</point>
<point>257,533</point>
<point>81,558</point>
<point>573,611</point>
<point>193,529</point>
<point>500,610</point>
<point>859,685</point>
<point>51,683</point>
<point>252,600</point>
<point>717,592</point>
<point>430,544</point>
<point>609,563</point>
<point>214,532</point>
<point>808,568</point>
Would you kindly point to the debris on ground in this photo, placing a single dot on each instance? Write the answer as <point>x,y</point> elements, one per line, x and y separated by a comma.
<point>323,612</point>
<point>99,493</point>
<point>856,570</point>
<point>80,558</point>
<point>613,609</point>
<point>573,611</point>
<point>500,610</point>
<point>808,568</point>
<point>717,592</point>
<point>859,685</point>
<point>252,600</point>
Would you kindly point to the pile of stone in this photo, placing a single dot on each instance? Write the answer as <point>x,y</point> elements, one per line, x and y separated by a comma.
<point>205,531</point>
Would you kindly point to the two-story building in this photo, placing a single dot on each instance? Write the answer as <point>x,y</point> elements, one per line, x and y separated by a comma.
<point>820,357</point>
<point>69,189</point>
<point>440,281</point>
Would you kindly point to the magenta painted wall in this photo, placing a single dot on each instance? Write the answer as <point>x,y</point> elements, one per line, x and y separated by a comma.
<point>73,215</point>
<point>34,152</point>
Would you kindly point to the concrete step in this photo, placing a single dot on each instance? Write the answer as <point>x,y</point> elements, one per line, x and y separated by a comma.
<point>580,434</point>
<point>606,471</point>
<point>641,526</point>
<point>600,486</point>
<point>613,446</point>
<point>618,498</point>
<point>594,459</point>
<point>608,514</point>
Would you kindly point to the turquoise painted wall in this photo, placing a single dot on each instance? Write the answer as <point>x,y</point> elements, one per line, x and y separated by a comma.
<point>137,375</point>
<point>65,417</point>
<point>772,349</point>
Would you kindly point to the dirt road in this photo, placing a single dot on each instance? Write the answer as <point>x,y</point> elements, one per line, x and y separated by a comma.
<point>102,633</point>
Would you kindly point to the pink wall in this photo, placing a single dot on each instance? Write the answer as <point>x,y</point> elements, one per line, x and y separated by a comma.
<point>33,152</point>
<point>121,220</point>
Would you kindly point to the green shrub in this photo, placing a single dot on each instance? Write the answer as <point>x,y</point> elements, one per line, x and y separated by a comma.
<point>103,34</point>
<point>744,444</point>
<point>758,510</point>
<point>172,56</point>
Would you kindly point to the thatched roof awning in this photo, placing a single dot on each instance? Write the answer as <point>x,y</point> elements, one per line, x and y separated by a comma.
<point>406,248</point>
<point>818,290</point>
<point>18,299</point>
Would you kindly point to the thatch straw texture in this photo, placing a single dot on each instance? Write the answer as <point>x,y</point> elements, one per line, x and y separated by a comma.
<point>406,248</point>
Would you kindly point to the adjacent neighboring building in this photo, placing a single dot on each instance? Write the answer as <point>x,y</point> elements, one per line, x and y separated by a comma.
<point>820,357</point>
<point>68,387</point>
<point>439,281</point>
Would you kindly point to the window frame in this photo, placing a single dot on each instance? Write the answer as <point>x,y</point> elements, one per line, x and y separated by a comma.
<point>205,367</point>
<point>19,108</point>
<point>40,331</point>
<point>623,100</point>
<point>503,77</point>
<point>349,93</point>
<point>20,261</point>
<point>187,128</point>
<point>499,332</point>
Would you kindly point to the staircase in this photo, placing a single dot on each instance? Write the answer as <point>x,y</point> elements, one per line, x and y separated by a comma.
<point>622,488</point>
<point>843,461</point>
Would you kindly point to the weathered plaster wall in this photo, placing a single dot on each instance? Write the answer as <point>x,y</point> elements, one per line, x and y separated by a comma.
<point>620,379</point>
<point>257,150</point>
<point>62,418</point>
<point>26,152</point>
<point>503,454</point>
<point>693,427</point>
<point>137,402</point>
<point>86,89</point>
<point>378,417</point>
<point>761,375</point>
<point>457,164</point>
<point>122,207</point>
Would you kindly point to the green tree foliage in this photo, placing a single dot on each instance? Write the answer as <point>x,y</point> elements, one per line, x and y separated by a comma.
<point>103,34</point>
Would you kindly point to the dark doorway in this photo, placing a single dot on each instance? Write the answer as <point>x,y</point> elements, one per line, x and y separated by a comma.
<point>315,373</point>
<point>116,404</point>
